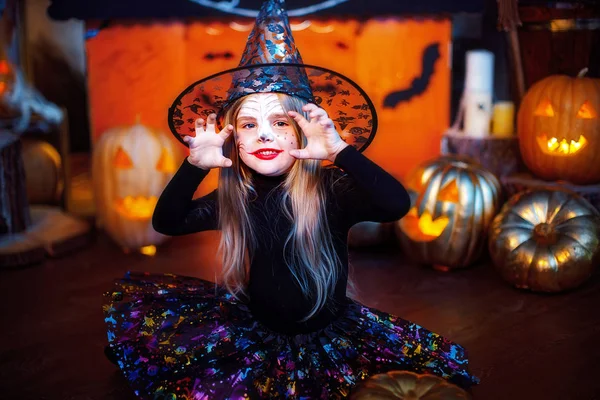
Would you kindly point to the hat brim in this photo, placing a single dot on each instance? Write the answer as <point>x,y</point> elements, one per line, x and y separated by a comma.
<point>350,108</point>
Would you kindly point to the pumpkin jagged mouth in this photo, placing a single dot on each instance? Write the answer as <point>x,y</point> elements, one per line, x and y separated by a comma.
<point>423,228</point>
<point>562,147</point>
<point>136,208</point>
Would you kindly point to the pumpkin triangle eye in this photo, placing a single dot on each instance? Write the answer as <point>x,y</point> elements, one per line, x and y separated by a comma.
<point>544,109</point>
<point>122,160</point>
<point>586,111</point>
<point>449,193</point>
<point>415,183</point>
<point>165,163</point>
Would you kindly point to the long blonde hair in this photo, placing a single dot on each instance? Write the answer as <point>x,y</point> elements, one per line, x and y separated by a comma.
<point>313,262</point>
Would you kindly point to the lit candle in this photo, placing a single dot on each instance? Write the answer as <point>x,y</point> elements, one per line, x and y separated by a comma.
<point>477,100</point>
<point>503,119</point>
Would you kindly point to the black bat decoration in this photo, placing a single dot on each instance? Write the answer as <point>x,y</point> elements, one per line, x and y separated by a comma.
<point>418,85</point>
<point>194,108</point>
<point>211,56</point>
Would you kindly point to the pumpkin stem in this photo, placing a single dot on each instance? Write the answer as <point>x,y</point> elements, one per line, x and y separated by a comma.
<point>138,118</point>
<point>544,233</point>
<point>582,73</point>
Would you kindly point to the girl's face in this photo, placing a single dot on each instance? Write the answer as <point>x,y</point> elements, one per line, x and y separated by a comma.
<point>265,135</point>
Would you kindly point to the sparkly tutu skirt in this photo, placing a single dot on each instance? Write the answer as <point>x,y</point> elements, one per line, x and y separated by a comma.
<point>177,337</point>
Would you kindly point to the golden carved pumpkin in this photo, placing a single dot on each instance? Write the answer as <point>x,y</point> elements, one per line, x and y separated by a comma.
<point>131,166</point>
<point>546,240</point>
<point>453,203</point>
<point>408,386</point>
<point>559,129</point>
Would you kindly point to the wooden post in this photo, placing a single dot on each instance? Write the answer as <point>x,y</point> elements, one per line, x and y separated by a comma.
<point>517,64</point>
<point>14,207</point>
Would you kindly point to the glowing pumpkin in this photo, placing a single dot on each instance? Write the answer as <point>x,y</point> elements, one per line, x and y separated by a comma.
<point>131,166</point>
<point>546,240</point>
<point>559,129</point>
<point>454,202</point>
<point>407,385</point>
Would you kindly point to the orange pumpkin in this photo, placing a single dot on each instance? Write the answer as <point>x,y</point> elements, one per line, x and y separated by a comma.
<point>408,386</point>
<point>559,129</point>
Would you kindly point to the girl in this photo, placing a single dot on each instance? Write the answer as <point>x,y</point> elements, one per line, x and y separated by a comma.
<point>281,325</point>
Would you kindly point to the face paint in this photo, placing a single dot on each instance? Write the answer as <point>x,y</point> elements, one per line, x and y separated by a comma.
<point>265,135</point>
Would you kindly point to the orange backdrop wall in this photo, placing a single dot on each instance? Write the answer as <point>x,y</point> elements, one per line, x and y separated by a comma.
<point>137,70</point>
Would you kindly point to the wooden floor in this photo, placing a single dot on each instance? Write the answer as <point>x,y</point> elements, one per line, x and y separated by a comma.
<point>521,345</point>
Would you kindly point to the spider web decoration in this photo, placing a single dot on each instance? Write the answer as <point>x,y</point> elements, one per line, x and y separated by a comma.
<point>231,7</point>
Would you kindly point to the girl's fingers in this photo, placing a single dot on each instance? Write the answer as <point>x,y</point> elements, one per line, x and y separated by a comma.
<point>309,107</point>
<point>317,113</point>
<point>228,130</point>
<point>199,126</point>
<point>327,123</point>
<point>211,123</point>
<point>225,162</point>
<point>300,153</point>
<point>299,118</point>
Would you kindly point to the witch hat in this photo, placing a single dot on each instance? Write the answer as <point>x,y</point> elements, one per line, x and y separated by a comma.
<point>271,63</point>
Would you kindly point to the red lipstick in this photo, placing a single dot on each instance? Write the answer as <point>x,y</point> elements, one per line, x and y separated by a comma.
<point>266,154</point>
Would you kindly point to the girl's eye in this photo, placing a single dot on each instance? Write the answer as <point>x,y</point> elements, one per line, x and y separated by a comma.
<point>281,124</point>
<point>248,126</point>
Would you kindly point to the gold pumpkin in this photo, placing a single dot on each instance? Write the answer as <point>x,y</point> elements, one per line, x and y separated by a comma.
<point>559,129</point>
<point>407,385</point>
<point>453,203</point>
<point>546,240</point>
<point>131,166</point>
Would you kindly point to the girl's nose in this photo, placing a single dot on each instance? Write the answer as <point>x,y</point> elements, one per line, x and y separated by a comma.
<point>265,135</point>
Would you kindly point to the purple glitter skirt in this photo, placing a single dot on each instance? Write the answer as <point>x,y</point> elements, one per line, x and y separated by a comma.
<point>177,337</point>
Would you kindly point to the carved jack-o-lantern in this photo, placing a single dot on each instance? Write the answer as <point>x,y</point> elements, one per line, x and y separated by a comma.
<point>131,167</point>
<point>453,203</point>
<point>559,129</point>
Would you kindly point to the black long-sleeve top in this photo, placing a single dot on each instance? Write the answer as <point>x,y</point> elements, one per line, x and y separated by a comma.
<point>357,190</point>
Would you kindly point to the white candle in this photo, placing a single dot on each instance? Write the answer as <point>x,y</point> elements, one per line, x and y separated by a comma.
<point>479,88</point>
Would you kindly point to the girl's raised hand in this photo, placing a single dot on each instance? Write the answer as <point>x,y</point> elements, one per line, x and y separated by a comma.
<point>323,140</point>
<point>206,148</point>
